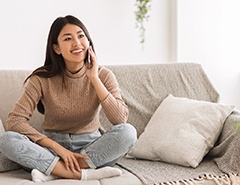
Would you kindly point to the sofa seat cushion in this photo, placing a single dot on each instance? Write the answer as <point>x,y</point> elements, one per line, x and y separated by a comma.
<point>181,131</point>
<point>21,177</point>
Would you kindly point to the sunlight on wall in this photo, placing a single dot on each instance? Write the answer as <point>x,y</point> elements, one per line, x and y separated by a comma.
<point>208,33</point>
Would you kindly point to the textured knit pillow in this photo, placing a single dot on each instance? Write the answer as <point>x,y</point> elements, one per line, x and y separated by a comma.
<point>181,131</point>
<point>5,163</point>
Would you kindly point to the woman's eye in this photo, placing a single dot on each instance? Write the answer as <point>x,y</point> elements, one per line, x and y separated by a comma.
<point>66,39</point>
<point>81,36</point>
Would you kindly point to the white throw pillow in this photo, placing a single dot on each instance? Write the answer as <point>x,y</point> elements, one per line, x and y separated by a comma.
<point>5,163</point>
<point>181,131</point>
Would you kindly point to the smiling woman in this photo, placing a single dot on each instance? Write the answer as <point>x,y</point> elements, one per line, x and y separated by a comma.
<point>70,95</point>
<point>73,45</point>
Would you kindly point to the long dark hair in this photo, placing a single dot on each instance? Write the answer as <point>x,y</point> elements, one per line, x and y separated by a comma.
<point>54,64</point>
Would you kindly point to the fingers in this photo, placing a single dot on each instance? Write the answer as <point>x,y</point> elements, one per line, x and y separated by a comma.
<point>66,163</point>
<point>75,165</point>
<point>72,164</point>
<point>92,55</point>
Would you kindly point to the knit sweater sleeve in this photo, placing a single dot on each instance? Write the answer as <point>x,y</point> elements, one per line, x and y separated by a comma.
<point>113,105</point>
<point>18,119</point>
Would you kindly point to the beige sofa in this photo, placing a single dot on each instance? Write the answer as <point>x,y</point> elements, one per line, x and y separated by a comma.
<point>143,87</point>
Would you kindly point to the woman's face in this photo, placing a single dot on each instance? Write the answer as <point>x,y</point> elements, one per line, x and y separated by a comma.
<point>72,45</point>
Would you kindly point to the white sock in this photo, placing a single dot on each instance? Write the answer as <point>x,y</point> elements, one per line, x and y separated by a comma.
<point>38,176</point>
<point>97,174</point>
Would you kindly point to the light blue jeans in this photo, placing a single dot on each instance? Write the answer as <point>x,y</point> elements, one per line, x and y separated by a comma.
<point>102,150</point>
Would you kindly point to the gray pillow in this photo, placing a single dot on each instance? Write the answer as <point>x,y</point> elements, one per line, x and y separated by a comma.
<point>5,163</point>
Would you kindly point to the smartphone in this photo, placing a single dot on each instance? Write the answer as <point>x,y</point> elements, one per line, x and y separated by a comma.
<point>88,60</point>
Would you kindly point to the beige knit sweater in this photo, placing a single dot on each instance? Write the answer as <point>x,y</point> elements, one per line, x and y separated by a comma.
<point>72,109</point>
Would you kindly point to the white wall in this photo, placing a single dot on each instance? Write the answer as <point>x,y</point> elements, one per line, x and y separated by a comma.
<point>25,25</point>
<point>208,32</point>
<point>203,31</point>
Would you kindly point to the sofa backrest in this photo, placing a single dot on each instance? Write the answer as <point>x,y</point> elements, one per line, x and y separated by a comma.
<point>143,87</point>
<point>11,88</point>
